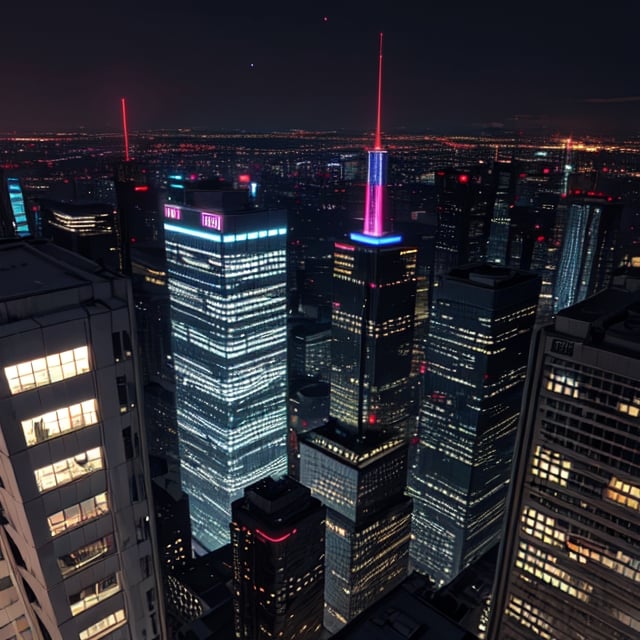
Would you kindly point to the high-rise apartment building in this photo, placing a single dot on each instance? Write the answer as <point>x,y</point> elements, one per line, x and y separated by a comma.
<point>356,464</point>
<point>481,324</point>
<point>590,247</point>
<point>570,557</point>
<point>77,532</point>
<point>227,285</point>
<point>277,536</point>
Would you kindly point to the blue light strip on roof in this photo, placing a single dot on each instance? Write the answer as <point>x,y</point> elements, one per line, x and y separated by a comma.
<point>375,241</point>
<point>228,237</point>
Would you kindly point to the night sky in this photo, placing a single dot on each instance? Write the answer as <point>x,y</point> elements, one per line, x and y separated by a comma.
<point>449,66</point>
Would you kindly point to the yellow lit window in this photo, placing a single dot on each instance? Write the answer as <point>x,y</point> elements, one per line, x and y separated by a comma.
<point>78,514</point>
<point>49,425</point>
<point>90,596</point>
<point>68,469</point>
<point>43,371</point>
<point>104,626</point>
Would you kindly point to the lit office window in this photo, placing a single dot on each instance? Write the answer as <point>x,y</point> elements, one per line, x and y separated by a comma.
<point>90,596</point>
<point>85,555</point>
<point>43,371</point>
<point>78,514</point>
<point>104,626</point>
<point>68,470</point>
<point>54,423</point>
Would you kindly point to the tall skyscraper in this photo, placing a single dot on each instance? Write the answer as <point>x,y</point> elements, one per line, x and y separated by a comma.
<point>590,248</point>
<point>463,209</point>
<point>77,532</point>
<point>227,284</point>
<point>481,324</point>
<point>361,481</point>
<point>570,556</point>
<point>357,462</point>
<point>277,535</point>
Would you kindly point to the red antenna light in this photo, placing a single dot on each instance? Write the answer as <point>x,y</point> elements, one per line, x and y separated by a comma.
<point>124,126</point>
<point>377,142</point>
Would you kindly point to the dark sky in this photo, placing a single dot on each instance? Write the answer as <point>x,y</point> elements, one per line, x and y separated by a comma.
<point>448,66</point>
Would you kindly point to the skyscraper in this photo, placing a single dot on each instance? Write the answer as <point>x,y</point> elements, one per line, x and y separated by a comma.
<point>13,212</point>
<point>570,556</point>
<point>77,533</point>
<point>277,534</point>
<point>361,481</point>
<point>463,209</point>
<point>227,284</point>
<point>590,248</point>
<point>357,462</point>
<point>481,324</point>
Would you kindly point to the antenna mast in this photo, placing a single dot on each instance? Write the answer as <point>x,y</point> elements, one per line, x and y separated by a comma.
<point>377,142</point>
<point>124,126</point>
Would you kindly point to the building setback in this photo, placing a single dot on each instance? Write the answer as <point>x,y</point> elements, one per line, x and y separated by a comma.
<point>77,533</point>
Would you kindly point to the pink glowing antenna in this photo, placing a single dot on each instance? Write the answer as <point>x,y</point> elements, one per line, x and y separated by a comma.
<point>124,126</point>
<point>377,142</point>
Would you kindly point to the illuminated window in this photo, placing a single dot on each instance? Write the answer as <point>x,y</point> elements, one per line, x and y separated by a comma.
<point>43,371</point>
<point>623,493</point>
<point>78,514</point>
<point>85,555</point>
<point>90,596</point>
<point>54,423</point>
<point>549,465</point>
<point>68,470</point>
<point>104,626</point>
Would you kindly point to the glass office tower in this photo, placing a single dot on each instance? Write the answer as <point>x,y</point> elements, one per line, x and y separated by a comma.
<point>570,560</point>
<point>479,339</point>
<point>227,285</point>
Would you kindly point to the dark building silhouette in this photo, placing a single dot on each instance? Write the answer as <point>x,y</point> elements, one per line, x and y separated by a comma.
<point>277,536</point>
<point>464,200</point>
<point>479,339</point>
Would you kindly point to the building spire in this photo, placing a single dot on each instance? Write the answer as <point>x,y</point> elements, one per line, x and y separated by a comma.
<point>125,129</point>
<point>377,142</point>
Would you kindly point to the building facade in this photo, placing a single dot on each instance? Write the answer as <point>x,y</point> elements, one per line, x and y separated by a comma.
<point>569,564</point>
<point>277,536</point>
<point>362,484</point>
<point>590,249</point>
<point>78,534</point>
<point>460,465</point>
<point>227,286</point>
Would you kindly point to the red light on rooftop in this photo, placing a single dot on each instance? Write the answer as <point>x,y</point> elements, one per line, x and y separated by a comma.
<point>372,418</point>
<point>546,171</point>
<point>141,187</point>
<point>523,175</point>
<point>244,178</point>
<point>463,178</point>
<point>540,238</point>
<point>415,440</point>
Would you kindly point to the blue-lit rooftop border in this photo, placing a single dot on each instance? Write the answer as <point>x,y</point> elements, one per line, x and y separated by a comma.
<point>375,241</point>
<point>227,237</point>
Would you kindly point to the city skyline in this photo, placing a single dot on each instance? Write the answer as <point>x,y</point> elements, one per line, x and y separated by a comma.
<point>447,68</point>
